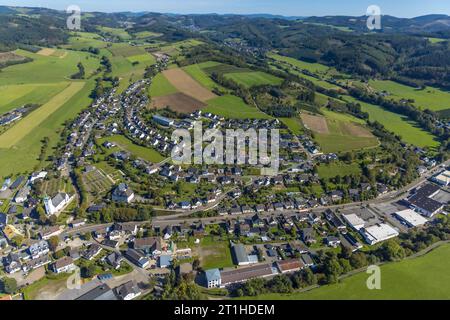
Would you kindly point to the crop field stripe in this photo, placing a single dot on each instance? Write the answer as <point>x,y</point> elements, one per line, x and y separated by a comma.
<point>34,119</point>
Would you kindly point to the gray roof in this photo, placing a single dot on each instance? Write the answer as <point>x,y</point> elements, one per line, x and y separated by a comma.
<point>102,292</point>
<point>58,199</point>
<point>239,253</point>
<point>127,288</point>
<point>212,275</point>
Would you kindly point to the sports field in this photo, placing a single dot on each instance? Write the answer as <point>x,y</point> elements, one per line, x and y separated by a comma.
<point>251,79</point>
<point>232,107</point>
<point>34,119</point>
<point>214,254</point>
<point>423,278</point>
<point>428,98</point>
<point>400,125</point>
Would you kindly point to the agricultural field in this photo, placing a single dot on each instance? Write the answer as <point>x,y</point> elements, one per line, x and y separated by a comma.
<point>48,69</point>
<point>411,279</point>
<point>145,59</point>
<point>35,118</point>
<point>294,124</point>
<point>428,98</point>
<point>85,40</point>
<point>233,107</point>
<point>14,96</point>
<point>123,142</point>
<point>126,50</point>
<point>251,79</point>
<point>122,34</point>
<point>409,131</point>
<point>187,85</point>
<point>197,72</point>
<point>8,57</point>
<point>23,156</point>
<point>161,86</point>
<point>303,65</point>
<point>178,102</point>
<point>146,34</point>
<point>175,49</point>
<point>337,132</point>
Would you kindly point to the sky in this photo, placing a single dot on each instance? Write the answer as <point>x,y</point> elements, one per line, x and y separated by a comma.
<point>399,8</point>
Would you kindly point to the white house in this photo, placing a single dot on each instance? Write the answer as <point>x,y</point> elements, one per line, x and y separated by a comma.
<point>123,194</point>
<point>63,265</point>
<point>57,204</point>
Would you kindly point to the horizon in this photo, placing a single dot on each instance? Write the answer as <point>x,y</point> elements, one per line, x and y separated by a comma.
<point>400,9</point>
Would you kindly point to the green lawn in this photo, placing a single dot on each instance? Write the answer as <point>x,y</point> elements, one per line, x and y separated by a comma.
<point>338,169</point>
<point>428,98</point>
<point>400,125</point>
<point>161,86</point>
<point>139,151</point>
<point>251,79</point>
<point>233,107</point>
<point>422,278</point>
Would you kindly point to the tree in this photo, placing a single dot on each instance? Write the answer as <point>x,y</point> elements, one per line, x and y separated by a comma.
<point>392,251</point>
<point>53,243</point>
<point>8,285</point>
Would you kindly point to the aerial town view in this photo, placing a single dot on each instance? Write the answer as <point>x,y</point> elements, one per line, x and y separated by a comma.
<point>230,151</point>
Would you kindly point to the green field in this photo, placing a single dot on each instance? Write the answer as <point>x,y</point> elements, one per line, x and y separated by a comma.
<point>428,98</point>
<point>338,169</point>
<point>84,40</point>
<point>341,136</point>
<point>251,79</point>
<point>122,34</point>
<point>229,106</point>
<point>196,71</point>
<point>25,126</point>
<point>422,278</point>
<point>146,59</point>
<point>436,40</point>
<point>400,125</point>
<point>161,86</point>
<point>146,34</point>
<point>312,67</point>
<point>125,50</point>
<point>22,157</point>
<point>48,69</point>
<point>13,96</point>
<point>123,142</point>
<point>294,124</point>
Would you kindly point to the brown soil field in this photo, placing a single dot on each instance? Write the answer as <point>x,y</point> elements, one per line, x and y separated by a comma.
<point>46,52</point>
<point>10,56</point>
<point>184,83</point>
<point>315,123</point>
<point>358,131</point>
<point>178,102</point>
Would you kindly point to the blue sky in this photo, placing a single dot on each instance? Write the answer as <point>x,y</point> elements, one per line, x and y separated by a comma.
<point>400,8</point>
